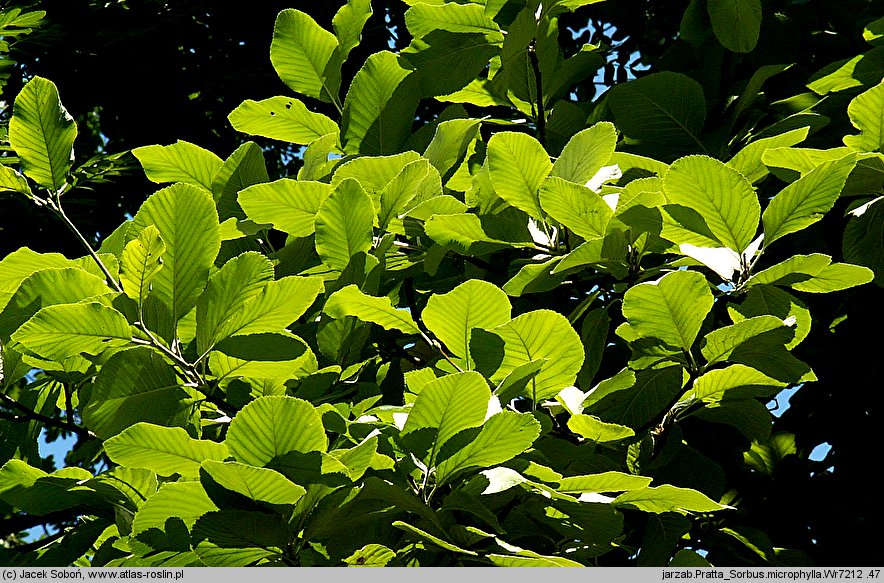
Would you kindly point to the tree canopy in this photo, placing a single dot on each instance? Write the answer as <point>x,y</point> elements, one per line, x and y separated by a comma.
<point>495,282</point>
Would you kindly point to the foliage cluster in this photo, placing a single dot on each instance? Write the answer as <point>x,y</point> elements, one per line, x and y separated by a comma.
<point>534,330</point>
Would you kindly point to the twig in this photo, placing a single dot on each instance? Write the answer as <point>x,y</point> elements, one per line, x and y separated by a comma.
<point>55,205</point>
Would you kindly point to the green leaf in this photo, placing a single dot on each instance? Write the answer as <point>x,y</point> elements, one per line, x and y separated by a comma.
<point>794,269</point>
<point>320,157</point>
<point>371,555</point>
<point>748,161</point>
<point>399,193</point>
<point>239,280</point>
<point>722,342</point>
<point>238,538</point>
<point>350,301</point>
<point>806,200</point>
<point>273,426</point>
<point>243,168</point>
<point>758,342</point>
<point>603,482</point>
<point>560,6</point>
<point>671,308</point>
<point>449,405</point>
<point>259,484</point>
<point>874,32</point>
<point>48,287</point>
<point>281,118</point>
<point>278,304</point>
<point>453,315</point>
<point>518,164</point>
<point>836,277</point>
<point>164,450</point>
<point>503,437</point>
<point>865,111</point>
<point>269,356</point>
<point>42,133</point>
<point>300,52</point>
<point>722,196</point>
<point>767,299</point>
<point>449,144</point>
<point>535,278</point>
<point>461,56</point>
<point>540,334</point>
<point>575,206</point>
<point>575,69</point>
<point>737,381</point>
<point>179,162</point>
<point>422,19</point>
<point>289,205</point>
<point>423,535</point>
<point>380,106</point>
<point>662,534</point>
<point>12,181</point>
<point>531,561</point>
<point>635,399</point>
<point>598,431</point>
<point>856,71</point>
<point>736,23</point>
<point>462,232</point>
<point>586,152</point>
<point>344,224</point>
<point>664,112</point>
<point>766,455</point>
<point>374,173</point>
<point>141,262</point>
<point>863,242</point>
<point>667,498</point>
<point>748,416</point>
<point>133,386</point>
<point>186,501</point>
<point>61,331</point>
<point>791,163</point>
<point>347,23</point>
<point>188,223</point>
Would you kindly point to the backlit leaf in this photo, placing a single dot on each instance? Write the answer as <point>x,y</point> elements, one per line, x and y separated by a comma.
<point>350,301</point>
<point>344,224</point>
<point>42,133</point>
<point>300,52</point>
<point>179,162</point>
<point>806,200</point>
<point>289,205</point>
<point>164,450</point>
<point>61,331</point>
<point>273,426</point>
<point>281,118</point>
<point>472,304</point>
<point>141,262</point>
<point>722,197</point>
<point>671,309</point>
<point>667,498</point>
<point>188,223</point>
<point>518,166</point>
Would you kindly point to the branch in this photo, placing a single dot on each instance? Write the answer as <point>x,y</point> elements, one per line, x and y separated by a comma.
<point>19,522</point>
<point>31,415</point>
